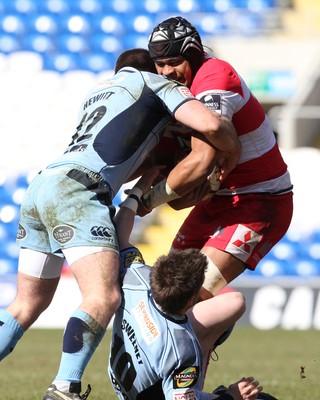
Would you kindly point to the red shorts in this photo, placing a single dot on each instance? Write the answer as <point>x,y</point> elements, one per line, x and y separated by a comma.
<point>246,226</point>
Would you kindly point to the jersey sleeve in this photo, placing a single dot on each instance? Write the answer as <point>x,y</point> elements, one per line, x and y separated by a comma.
<point>130,257</point>
<point>171,93</point>
<point>219,87</point>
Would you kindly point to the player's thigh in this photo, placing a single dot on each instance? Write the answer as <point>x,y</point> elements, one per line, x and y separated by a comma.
<point>38,277</point>
<point>97,274</point>
<point>196,228</point>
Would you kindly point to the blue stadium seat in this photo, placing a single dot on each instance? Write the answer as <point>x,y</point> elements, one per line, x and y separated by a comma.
<point>283,250</point>
<point>312,251</point>
<point>106,43</point>
<point>217,6</point>
<point>45,23</point>
<point>39,43</point>
<point>9,43</point>
<point>97,62</point>
<point>136,40</point>
<point>18,195</point>
<point>5,196</point>
<point>8,266</point>
<point>305,268</point>
<point>119,6</point>
<point>183,6</point>
<point>90,7</point>
<point>58,7</point>
<point>77,24</point>
<point>141,24</point>
<point>150,6</point>
<point>25,7</point>
<point>61,62</point>
<point>259,6</point>
<point>72,43</point>
<point>209,25</point>
<point>271,268</point>
<point>3,7</point>
<point>108,24</point>
<point>245,23</point>
<point>13,24</point>
<point>315,236</point>
<point>9,249</point>
<point>9,214</point>
<point>3,233</point>
<point>24,178</point>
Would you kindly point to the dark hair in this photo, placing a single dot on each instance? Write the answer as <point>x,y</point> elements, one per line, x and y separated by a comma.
<point>177,277</point>
<point>177,37</point>
<point>136,58</point>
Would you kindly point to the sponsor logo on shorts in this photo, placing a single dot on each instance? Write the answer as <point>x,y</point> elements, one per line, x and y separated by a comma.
<point>101,232</point>
<point>185,377</point>
<point>22,233</point>
<point>63,233</point>
<point>212,101</point>
<point>243,242</point>
<point>188,395</point>
<point>149,328</point>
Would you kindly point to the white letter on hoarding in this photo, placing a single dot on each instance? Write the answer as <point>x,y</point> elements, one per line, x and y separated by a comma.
<point>316,316</point>
<point>267,307</point>
<point>299,309</point>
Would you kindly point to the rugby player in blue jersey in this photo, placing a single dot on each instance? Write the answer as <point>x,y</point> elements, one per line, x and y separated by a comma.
<point>67,213</point>
<point>162,336</point>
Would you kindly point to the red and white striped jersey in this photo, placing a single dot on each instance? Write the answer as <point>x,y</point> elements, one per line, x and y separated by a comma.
<point>261,167</point>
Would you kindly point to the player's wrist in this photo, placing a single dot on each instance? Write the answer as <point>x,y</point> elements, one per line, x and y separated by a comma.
<point>132,200</point>
<point>161,193</point>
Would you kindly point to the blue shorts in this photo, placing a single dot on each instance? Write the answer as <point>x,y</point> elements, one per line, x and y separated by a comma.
<point>64,207</point>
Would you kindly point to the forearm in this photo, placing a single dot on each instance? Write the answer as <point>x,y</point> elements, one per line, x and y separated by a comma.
<point>185,177</point>
<point>124,218</point>
<point>225,138</point>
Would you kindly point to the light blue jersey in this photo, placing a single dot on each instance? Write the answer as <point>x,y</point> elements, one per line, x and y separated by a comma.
<point>70,203</point>
<point>151,350</point>
<point>120,121</point>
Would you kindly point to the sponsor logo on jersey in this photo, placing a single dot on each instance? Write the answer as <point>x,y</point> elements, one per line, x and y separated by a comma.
<point>63,233</point>
<point>185,377</point>
<point>149,328</point>
<point>127,328</point>
<point>188,395</point>
<point>22,233</point>
<point>212,101</point>
<point>185,91</point>
<point>101,232</point>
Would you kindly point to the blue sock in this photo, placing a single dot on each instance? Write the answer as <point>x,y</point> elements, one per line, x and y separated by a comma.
<point>10,332</point>
<point>81,338</point>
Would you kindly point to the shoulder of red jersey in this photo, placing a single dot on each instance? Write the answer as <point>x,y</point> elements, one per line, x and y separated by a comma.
<point>216,74</point>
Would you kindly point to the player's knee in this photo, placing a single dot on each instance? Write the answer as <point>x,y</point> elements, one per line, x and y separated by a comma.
<point>111,299</point>
<point>240,303</point>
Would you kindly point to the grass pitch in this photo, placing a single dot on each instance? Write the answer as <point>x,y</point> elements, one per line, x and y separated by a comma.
<point>273,357</point>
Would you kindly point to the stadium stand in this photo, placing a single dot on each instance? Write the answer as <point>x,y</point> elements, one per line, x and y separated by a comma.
<point>53,51</point>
